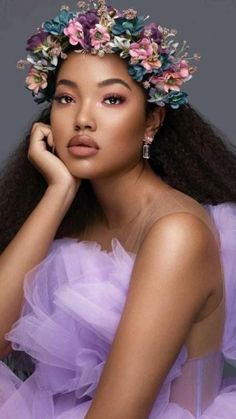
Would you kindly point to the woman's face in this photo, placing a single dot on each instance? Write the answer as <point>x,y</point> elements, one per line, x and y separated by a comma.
<point>89,101</point>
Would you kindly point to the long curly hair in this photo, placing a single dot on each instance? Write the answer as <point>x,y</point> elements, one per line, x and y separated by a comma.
<point>188,152</point>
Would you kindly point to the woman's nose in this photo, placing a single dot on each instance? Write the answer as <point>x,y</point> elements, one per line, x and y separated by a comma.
<point>84,118</point>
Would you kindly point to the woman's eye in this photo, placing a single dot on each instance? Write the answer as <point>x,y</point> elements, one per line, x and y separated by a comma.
<point>64,99</point>
<point>113,99</point>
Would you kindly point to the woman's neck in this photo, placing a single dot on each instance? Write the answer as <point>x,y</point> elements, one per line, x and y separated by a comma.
<point>122,197</point>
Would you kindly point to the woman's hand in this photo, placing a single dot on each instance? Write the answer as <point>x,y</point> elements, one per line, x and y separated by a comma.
<point>50,166</point>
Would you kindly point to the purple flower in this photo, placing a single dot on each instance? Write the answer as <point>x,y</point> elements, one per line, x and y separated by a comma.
<point>155,34</point>
<point>36,40</point>
<point>88,20</point>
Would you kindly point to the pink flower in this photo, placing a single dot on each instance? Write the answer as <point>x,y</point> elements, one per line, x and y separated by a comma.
<point>173,80</point>
<point>169,81</point>
<point>130,14</point>
<point>36,80</point>
<point>99,35</point>
<point>75,32</point>
<point>150,65</point>
<point>56,51</point>
<point>21,64</point>
<point>142,49</point>
<point>184,69</point>
<point>146,51</point>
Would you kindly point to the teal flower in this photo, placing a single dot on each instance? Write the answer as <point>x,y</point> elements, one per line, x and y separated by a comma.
<point>156,96</point>
<point>137,72</point>
<point>130,27</point>
<point>176,99</point>
<point>39,97</point>
<point>166,64</point>
<point>57,25</point>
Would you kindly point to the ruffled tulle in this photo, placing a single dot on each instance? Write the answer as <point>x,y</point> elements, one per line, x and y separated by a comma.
<point>73,302</point>
<point>224,216</point>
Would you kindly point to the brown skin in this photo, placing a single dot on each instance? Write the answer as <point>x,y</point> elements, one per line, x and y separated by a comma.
<point>161,288</point>
<point>122,180</point>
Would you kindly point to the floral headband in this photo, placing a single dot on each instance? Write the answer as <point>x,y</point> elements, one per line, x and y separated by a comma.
<point>154,57</point>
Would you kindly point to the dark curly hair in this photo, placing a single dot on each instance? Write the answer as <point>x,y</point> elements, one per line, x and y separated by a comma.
<point>188,153</point>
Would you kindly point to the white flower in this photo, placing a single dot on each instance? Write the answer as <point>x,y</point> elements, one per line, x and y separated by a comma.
<point>43,64</point>
<point>122,43</point>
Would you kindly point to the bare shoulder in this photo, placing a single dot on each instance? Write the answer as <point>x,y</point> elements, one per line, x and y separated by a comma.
<point>185,244</point>
<point>183,229</point>
<point>189,205</point>
<point>179,208</point>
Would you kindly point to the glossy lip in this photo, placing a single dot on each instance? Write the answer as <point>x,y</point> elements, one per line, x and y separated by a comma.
<point>83,140</point>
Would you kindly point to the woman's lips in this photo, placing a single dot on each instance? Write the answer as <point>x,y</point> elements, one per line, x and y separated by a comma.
<point>82,145</point>
<point>83,151</point>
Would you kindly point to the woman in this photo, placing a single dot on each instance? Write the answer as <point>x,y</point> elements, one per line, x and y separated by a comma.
<point>123,268</point>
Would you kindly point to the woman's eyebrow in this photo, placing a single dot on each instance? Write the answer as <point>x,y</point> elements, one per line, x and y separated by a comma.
<point>102,83</point>
<point>108,82</point>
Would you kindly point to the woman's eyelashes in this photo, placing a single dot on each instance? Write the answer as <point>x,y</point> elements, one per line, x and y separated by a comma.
<point>114,99</point>
<point>59,98</point>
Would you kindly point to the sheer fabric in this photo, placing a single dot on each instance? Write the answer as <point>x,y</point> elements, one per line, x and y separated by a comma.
<point>73,302</point>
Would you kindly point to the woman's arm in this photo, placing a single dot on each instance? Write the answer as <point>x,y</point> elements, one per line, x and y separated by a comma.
<point>172,279</point>
<point>25,251</point>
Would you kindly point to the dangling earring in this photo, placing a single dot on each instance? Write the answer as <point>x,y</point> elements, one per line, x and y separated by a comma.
<point>146,147</point>
<point>53,149</point>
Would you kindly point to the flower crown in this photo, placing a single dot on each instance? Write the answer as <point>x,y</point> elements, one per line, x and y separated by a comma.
<point>154,57</point>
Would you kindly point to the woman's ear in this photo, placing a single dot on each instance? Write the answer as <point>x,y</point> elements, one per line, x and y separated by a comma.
<point>154,121</point>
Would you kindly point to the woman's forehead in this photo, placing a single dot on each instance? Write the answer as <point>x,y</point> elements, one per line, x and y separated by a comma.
<point>95,68</point>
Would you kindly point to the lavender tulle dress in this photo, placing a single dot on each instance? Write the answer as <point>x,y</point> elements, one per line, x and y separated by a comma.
<point>73,302</point>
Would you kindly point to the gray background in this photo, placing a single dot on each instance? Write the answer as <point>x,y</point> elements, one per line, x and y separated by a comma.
<point>207,25</point>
